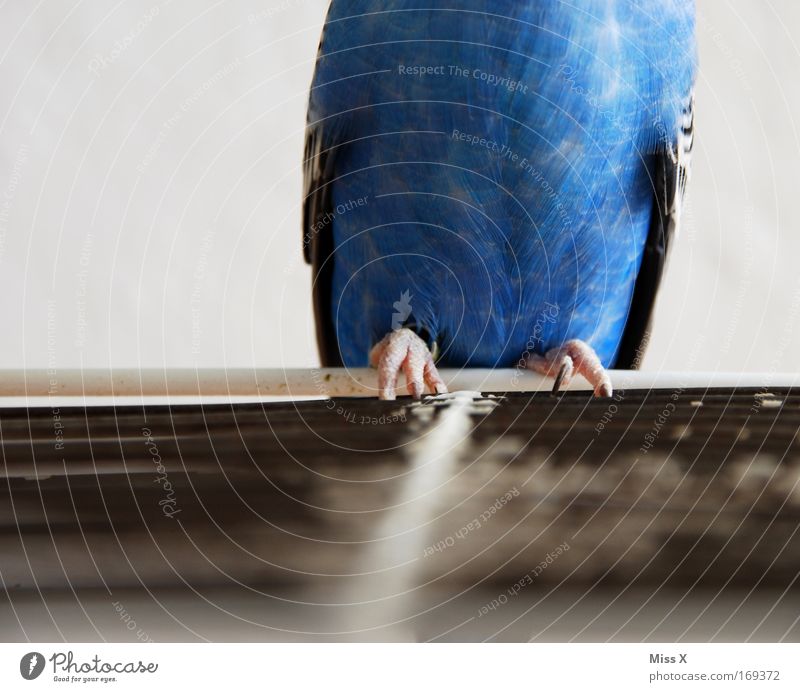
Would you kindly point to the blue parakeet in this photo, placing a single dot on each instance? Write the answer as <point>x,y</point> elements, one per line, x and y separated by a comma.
<point>495,183</point>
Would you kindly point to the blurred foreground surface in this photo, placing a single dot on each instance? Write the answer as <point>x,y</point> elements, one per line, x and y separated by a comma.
<point>654,516</point>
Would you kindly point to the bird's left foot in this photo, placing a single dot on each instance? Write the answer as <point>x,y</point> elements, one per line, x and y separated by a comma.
<point>575,356</point>
<point>403,350</point>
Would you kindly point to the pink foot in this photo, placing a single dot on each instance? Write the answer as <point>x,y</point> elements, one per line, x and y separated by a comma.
<point>574,356</point>
<point>403,350</point>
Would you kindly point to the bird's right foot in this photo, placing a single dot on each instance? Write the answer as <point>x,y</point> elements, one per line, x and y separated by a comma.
<point>403,350</point>
<point>574,356</point>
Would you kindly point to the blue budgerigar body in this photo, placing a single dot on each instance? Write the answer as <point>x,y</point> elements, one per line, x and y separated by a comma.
<point>491,167</point>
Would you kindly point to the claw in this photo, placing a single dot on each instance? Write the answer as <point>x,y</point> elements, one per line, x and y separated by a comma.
<point>573,356</point>
<point>560,377</point>
<point>403,350</point>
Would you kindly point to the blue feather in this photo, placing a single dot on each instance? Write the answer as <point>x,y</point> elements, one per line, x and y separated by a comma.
<point>494,164</point>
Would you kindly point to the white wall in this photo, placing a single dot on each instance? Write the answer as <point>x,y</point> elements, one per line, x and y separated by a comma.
<point>153,192</point>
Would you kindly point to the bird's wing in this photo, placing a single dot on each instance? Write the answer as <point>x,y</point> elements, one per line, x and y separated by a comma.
<point>671,174</point>
<point>318,173</point>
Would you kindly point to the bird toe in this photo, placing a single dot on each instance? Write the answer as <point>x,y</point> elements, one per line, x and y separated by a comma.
<point>404,351</point>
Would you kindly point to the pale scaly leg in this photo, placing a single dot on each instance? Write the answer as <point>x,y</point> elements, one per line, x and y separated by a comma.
<point>573,357</point>
<point>403,350</point>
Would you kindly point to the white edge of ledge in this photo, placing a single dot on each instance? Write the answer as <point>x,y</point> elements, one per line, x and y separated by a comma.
<point>185,385</point>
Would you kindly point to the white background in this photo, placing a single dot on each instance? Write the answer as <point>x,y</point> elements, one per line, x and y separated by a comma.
<point>467,667</point>
<point>164,177</point>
